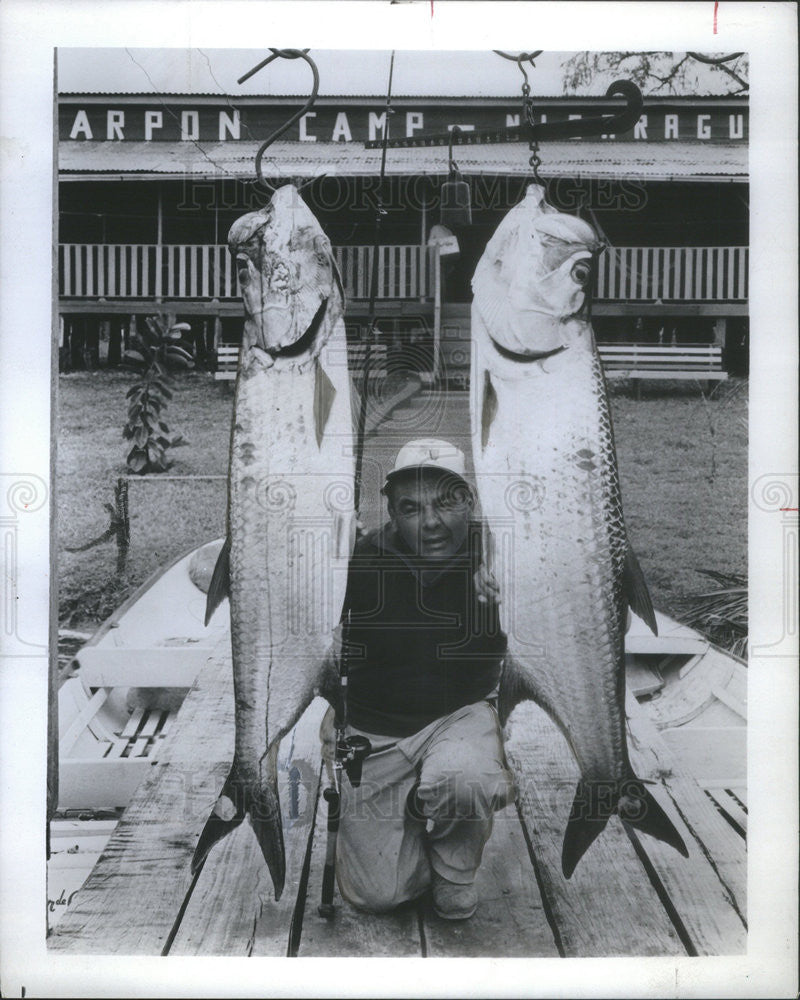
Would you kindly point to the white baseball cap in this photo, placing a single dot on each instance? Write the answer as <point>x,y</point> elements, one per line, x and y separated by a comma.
<point>430,453</point>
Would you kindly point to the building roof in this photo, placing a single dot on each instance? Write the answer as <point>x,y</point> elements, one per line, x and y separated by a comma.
<point>616,160</point>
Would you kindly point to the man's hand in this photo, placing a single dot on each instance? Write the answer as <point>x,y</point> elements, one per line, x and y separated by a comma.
<point>486,586</point>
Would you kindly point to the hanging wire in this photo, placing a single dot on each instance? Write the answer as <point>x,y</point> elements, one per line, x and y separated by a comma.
<point>380,211</point>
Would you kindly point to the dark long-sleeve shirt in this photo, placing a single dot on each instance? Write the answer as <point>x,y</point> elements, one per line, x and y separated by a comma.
<point>419,643</point>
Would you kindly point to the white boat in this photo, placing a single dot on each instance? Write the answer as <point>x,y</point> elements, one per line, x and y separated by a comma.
<point>116,703</point>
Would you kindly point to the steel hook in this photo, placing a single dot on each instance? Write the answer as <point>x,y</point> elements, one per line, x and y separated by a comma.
<point>283,54</point>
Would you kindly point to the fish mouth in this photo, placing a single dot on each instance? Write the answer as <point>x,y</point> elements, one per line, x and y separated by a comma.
<point>305,343</point>
<point>526,358</point>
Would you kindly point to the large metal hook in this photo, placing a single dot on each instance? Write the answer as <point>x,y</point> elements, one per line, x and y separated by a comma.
<point>619,121</point>
<point>283,54</point>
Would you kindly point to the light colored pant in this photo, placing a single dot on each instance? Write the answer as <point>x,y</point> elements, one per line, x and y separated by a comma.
<point>384,857</point>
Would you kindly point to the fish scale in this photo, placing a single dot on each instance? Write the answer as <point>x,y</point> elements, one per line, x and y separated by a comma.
<point>546,473</point>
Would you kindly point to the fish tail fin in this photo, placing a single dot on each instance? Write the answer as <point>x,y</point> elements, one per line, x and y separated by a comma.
<point>259,801</point>
<point>639,809</point>
<point>596,801</point>
<point>219,588</point>
<point>588,817</point>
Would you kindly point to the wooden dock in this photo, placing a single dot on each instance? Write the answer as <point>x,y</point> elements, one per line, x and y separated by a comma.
<point>630,895</point>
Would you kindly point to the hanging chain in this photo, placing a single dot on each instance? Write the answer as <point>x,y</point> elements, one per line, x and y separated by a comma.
<point>535,160</point>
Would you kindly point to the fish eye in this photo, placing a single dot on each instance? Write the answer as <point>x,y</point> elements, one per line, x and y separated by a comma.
<point>581,272</point>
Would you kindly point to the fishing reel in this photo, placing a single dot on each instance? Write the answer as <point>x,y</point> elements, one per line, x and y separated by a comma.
<point>351,751</point>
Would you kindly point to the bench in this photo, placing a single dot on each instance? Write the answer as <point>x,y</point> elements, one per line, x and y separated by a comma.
<point>228,360</point>
<point>699,362</point>
<point>630,896</point>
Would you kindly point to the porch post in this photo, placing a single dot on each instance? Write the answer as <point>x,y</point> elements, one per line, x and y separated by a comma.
<point>437,312</point>
<point>423,242</point>
<point>159,240</point>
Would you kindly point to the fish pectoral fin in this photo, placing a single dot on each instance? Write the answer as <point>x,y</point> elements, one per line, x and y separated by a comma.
<point>641,810</point>
<point>324,393</point>
<point>514,687</point>
<point>596,801</point>
<point>488,409</point>
<point>636,591</point>
<point>219,588</point>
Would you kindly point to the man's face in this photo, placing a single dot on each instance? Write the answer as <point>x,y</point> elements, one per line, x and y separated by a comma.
<point>431,511</point>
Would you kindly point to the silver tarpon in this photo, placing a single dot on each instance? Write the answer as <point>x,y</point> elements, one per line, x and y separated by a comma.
<point>546,474</point>
<point>290,503</point>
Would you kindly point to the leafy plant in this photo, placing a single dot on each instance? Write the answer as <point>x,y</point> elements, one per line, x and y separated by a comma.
<point>721,614</point>
<point>157,351</point>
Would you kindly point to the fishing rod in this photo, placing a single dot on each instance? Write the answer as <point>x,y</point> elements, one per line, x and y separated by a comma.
<point>350,751</point>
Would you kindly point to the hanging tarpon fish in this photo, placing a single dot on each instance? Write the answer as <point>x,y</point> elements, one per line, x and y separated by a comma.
<point>546,474</point>
<point>290,503</point>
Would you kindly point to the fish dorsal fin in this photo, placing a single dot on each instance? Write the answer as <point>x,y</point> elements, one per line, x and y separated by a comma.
<point>489,408</point>
<point>324,393</point>
<point>636,591</point>
<point>220,585</point>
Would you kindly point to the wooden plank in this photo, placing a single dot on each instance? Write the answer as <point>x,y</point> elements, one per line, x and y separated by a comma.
<point>511,921</point>
<point>205,268</point>
<point>727,698</point>
<point>158,275</point>
<point>133,723</point>
<point>661,349</point>
<point>644,275</point>
<point>677,644</point>
<point>68,250</point>
<point>708,889</point>
<point>79,289</point>
<point>80,721</point>
<point>608,906</point>
<point>730,807</point>
<point>642,680</point>
<point>250,922</point>
<point>153,666</point>
<point>602,276</point>
<point>698,376</point>
<point>139,748</point>
<point>351,933</point>
<point>709,752</point>
<point>741,290</point>
<point>133,896</point>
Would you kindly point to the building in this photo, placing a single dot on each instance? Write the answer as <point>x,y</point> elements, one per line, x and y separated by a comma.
<point>149,185</point>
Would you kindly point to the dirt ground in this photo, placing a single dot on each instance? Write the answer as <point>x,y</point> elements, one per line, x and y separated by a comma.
<point>682,459</point>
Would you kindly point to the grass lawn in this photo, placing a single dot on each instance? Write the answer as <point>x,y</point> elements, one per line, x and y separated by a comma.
<point>682,459</point>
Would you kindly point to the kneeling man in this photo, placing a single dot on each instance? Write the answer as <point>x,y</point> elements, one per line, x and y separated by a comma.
<point>425,652</point>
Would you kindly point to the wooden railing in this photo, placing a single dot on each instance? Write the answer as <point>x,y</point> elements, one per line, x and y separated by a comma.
<point>92,270</point>
<point>677,274</point>
<point>671,274</point>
